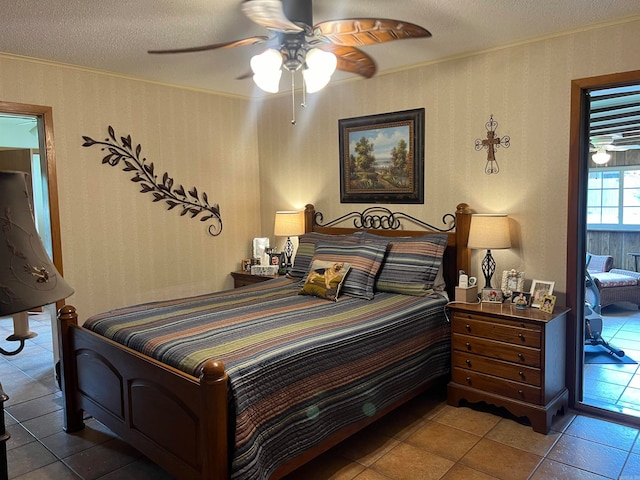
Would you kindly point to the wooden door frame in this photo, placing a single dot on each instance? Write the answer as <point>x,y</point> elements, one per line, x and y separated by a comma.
<point>46,114</point>
<point>576,232</point>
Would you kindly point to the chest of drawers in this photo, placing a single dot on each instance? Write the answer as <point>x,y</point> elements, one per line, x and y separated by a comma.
<point>510,358</point>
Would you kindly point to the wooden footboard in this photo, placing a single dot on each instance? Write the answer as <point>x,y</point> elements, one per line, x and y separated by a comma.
<point>178,421</point>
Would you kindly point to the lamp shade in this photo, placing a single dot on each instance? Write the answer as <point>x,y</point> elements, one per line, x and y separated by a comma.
<point>289,224</point>
<point>28,278</point>
<point>489,231</point>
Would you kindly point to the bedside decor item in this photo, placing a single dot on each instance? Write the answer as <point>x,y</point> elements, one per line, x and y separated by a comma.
<point>540,288</point>
<point>246,264</point>
<point>548,302</point>
<point>288,224</point>
<point>467,294</point>
<point>192,202</point>
<point>512,281</point>
<point>490,144</point>
<point>260,247</point>
<point>28,278</point>
<point>263,270</point>
<point>490,231</point>
<point>491,295</point>
<point>521,299</point>
<point>382,158</point>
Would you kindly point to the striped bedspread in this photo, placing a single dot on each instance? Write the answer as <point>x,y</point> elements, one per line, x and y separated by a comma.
<point>300,368</point>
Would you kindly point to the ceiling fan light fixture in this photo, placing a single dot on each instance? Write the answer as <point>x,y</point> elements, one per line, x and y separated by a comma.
<point>267,70</point>
<point>320,67</point>
<point>601,157</point>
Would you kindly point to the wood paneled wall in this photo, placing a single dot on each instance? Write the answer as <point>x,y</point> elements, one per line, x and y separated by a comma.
<point>616,244</point>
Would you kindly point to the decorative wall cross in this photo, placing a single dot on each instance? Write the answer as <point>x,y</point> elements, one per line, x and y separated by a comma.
<point>490,144</point>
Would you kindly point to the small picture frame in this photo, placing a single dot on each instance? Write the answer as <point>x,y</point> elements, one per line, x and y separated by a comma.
<point>512,281</point>
<point>274,258</point>
<point>521,299</point>
<point>540,288</point>
<point>246,264</point>
<point>260,246</point>
<point>492,295</point>
<point>548,302</point>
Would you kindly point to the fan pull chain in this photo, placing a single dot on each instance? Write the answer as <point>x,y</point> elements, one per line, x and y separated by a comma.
<point>293,99</point>
<point>304,94</point>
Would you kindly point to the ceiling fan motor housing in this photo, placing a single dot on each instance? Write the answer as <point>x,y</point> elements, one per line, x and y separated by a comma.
<point>299,11</point>
<point>293,48</point>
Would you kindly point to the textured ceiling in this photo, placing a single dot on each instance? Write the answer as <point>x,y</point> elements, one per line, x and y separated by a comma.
<point>114,35</point>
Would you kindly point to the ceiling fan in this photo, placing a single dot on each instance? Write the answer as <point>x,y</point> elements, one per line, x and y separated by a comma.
<point>600,145</point>
<point>295,41</point>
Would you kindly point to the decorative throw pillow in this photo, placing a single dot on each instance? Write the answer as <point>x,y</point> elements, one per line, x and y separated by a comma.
<point>411,265</point>
<point>307,247</point>
<point>365,262</point>
<point>325,279</point>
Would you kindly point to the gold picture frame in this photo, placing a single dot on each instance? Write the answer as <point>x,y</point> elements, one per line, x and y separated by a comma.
<point>548,302</point>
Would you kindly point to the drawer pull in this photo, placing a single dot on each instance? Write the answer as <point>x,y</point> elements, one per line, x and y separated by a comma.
<point>468,327</point>
<point>520,356</point>
<point>521,336</point>
<point>521,374</point>
<point>468,346</point>
<point>521,393</point>
<point>469,380</point>
<point>468,362</point>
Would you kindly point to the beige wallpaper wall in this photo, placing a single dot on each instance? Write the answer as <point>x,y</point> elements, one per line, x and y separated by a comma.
<point>121,248</point>
<point>526,88</point>
<point>118,246</point>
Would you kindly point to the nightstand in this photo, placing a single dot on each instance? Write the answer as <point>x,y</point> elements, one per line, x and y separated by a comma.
<point>510,358</point>
<point>240,279</point>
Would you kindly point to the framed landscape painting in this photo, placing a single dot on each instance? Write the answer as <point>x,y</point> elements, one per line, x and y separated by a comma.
<point>382,158</point>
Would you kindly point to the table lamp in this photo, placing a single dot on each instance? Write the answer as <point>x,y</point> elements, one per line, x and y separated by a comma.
<point>489,231</point>
<point>288,224</point>
<point>28,278</point>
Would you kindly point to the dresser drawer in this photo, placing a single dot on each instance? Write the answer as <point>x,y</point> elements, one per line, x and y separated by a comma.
<point>507,332</point>
<point>498,368</point>
<point>499,350</point>
<point>500,386</point>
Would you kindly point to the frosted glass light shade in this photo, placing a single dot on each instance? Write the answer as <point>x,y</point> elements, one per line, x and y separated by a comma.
<point>600,158</point>
<point>320,67</point>
<point>267,71</point>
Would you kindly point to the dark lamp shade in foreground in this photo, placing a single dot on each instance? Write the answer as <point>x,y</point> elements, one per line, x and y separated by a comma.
<point>28,278</point>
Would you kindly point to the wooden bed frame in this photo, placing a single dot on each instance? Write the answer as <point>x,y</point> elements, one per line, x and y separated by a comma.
<point>180,421</point>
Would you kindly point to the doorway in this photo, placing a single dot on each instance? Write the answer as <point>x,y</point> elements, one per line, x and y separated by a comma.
<point>580,160</point>
<point>31,148</point>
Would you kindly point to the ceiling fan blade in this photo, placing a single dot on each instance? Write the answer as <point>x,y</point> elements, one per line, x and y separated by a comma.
<point>358,32</point>
<point>352,60</point>
<point>269,14</point>
<point>235,43</point>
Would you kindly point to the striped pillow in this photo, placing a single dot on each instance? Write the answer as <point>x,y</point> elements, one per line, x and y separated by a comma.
<point>307,247</point>
<point>412,264</point>
<point>365,262</point>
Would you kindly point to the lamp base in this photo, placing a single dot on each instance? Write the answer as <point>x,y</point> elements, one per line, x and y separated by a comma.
<point>488,268</point>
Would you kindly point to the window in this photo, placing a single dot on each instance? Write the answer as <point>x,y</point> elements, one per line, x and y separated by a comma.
<point>613,198</point>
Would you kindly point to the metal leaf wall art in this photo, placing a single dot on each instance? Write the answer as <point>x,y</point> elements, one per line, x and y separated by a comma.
<point>192,202</point>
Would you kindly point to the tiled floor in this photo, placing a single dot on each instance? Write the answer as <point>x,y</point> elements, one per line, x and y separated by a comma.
<point>426,439</point>
<point>616,386</point>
